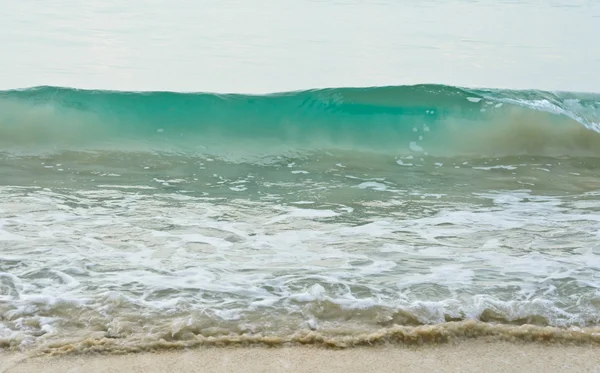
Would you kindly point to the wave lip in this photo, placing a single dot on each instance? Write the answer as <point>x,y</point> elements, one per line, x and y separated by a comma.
<point>423,119</point>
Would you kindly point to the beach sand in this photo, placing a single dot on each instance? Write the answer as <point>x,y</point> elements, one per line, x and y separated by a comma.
<point>465,357</point>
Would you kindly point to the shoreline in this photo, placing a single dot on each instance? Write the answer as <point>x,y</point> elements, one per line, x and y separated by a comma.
<point>471,356</point>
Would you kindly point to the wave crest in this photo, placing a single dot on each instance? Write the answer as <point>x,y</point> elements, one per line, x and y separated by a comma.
<point>424,119</point>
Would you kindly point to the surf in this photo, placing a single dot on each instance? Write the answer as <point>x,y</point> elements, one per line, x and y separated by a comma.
<point>423,120</point>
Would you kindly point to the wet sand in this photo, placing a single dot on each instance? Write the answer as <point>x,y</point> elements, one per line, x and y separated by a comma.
<point>465,357</point>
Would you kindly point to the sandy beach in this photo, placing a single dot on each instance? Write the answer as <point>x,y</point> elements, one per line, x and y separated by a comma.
<point>465,357</point>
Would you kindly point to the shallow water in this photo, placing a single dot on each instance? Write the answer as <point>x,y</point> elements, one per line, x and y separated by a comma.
<point>180,247</point>
<point>335,217</point>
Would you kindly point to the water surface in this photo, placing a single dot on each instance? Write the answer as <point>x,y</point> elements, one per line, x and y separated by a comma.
<point>339,216</point>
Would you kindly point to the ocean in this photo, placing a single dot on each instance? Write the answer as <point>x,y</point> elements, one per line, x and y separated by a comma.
<point>330,173</point>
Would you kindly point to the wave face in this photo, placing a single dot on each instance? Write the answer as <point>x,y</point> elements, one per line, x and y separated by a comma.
<point>429,119</point>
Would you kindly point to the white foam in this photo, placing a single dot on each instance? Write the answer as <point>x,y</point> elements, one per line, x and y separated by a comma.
<point>117,254</point>
<point>414,147</point>
<point>401,163</point>
<point>8,236</point>
<point>500,167</point>
<point>303,202</point>
<point>142,187</point>
<point>372,185</point>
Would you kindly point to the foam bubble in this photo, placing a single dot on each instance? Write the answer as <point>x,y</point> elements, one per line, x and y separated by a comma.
<point>414,147</point>
<point>372,185</point>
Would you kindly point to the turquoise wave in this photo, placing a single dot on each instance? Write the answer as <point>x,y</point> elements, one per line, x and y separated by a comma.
<point>427,119</point>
